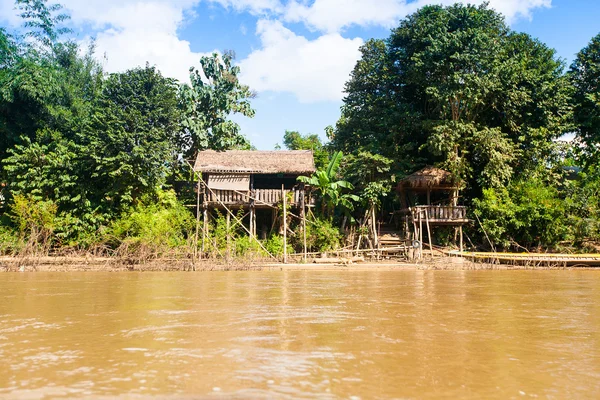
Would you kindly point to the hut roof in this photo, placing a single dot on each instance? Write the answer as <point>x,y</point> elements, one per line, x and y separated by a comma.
<point>429,177</point>
<point>257,162</point>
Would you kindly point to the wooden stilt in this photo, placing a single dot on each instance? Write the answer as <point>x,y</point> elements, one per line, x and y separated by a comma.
<point>284,224</point>
<point>420,234</point>
<point>197,220</point>
<point>303,216</point>
<point>461,239</point>
<point>204,228</point>
<point>228,237</point>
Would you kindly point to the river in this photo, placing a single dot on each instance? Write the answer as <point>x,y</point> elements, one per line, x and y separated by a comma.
<point>301,334</point>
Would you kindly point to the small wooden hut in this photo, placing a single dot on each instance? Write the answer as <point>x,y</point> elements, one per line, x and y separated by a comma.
<point>255,181</point>
<point>429,197</point>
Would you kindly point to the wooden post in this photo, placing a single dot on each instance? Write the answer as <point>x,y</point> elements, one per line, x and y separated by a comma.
<point>251,230</point>
<point>461,239</point>
<point>228,237</point>
<point>285,225</point>
<point>204,226</point>
<point>197,221</point>
<point>429,233</point>
<point>374,224</point>
<point>303,216</point>
<point>420,234</point>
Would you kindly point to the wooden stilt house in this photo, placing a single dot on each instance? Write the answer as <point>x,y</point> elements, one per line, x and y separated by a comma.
<point>255,181</point>
<point>429,198</point>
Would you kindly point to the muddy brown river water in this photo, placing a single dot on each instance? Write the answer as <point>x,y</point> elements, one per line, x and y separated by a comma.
<point>301,334</point>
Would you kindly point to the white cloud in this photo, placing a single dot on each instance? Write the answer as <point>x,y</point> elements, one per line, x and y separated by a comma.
<point>253,6</point>
<point>334,15</point>
<point>314,70</point>
<point>130,33</point>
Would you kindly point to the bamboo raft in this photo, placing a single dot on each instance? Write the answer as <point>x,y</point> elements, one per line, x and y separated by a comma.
<point>532,259</point>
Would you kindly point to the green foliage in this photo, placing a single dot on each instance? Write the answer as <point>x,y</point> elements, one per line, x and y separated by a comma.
<point>321,236</point>
<point>453,86</point>
<point>330,189</point>
<point>370,175</point>
<point>42,20</point>
<point>585,76</point>
<point>294,140</point>
<point>35,221</point>
<point>9,241</point>
<point>527,213</point>
<point>214,95</point>
<point>131,140</point>
<point>274,245</point>
<point>158,223</point>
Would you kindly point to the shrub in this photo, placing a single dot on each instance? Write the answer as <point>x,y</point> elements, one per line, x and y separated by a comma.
<point>35,221</point>
<point>321,236</point>
<point>526,213</point>
<point>157,224</point>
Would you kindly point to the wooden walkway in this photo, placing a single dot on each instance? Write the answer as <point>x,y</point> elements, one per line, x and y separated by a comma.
<point>532,259</point>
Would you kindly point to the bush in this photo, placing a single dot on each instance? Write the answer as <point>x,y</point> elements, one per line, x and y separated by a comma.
<point>157,224</point>
<point>321,236</point>
<point>274,245</point>
<point>9,241</point>
<point>35,221</point>
<point>525,214</point>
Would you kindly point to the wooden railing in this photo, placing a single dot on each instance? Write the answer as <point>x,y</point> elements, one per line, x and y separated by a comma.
<point>227,196</point>
<point>440,213</point>
<point>260,196</point>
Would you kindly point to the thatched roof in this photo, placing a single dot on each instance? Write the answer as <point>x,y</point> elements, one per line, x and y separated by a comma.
<point>257,162</point>
<point>429,177</point>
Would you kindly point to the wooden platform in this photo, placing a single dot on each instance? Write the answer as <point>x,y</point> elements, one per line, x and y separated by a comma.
<point>533,259</point>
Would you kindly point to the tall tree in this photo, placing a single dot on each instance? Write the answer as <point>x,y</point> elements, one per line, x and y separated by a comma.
<point>214,95</point>
<point>132,137</point>
<point>585,75</point>
<point>454,86</point>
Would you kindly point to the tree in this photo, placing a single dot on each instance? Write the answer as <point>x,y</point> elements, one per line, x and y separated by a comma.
<point>585,76</point>
<point>294,140</point>
<point>453,86</point>
<point>214,95</point>
<point>132,138</point>
<point>46,84</point>
<point>43,21</point>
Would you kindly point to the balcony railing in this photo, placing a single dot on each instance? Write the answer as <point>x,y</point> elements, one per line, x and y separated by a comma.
<point>440,214</point>
<point>260,196</point>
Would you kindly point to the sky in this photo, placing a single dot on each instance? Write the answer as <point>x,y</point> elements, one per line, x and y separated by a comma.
<point>296,54</point>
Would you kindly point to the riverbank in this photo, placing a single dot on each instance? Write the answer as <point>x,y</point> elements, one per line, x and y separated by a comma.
<point>114,264</point>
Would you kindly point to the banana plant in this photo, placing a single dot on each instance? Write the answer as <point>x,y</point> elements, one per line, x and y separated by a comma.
<point>331,190</point>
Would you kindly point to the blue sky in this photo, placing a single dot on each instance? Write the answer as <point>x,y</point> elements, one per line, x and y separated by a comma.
<point>296,54</point>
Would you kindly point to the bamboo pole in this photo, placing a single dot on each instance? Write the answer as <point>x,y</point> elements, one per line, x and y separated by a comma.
<point>228,237</point>
<point>197,220</point>
<point>204,227</point>
<point>303,215</point>
<point>374,225</point>
<point>429,233</point>
<point>420,234</point>
<point>284,224</point>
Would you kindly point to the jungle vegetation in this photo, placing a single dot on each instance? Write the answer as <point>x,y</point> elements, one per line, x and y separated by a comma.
<point>90,160</point>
